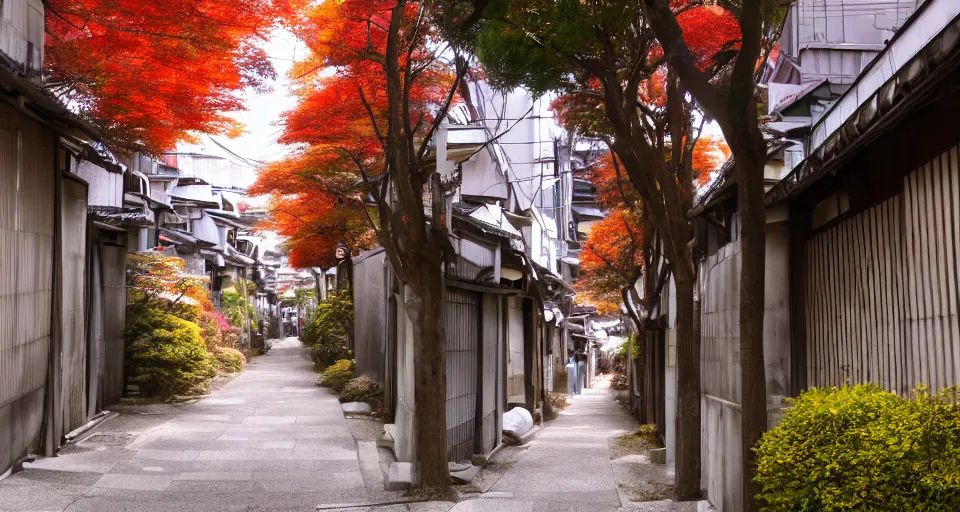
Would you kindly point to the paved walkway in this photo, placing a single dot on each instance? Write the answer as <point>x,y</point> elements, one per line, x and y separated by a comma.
<point>568,466</point>
<point>269,440</point>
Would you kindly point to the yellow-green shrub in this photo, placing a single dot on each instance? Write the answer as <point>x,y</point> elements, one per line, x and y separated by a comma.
<point>230,359</point>
<point>171,358</point>
<point>862,448</point>
<point>338,374</point>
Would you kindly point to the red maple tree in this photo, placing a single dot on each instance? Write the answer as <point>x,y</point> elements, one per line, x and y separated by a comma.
<point>317,191</point>
<point>370,96</point>
<point>612,259</point>
<point>149,73</point>
<point>315,205</point>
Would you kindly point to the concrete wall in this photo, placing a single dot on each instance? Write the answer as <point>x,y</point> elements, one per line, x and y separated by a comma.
<point>669,300</point>
<point>106,188</point>
<point>720,358</point>
<point>482,177</point>
<point>369,310</point>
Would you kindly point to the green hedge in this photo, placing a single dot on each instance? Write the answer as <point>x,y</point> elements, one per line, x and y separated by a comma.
<point>168,357</point>
<point>862,448</point>
<point>328,332</point>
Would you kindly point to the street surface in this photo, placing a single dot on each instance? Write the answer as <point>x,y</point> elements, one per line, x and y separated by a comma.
<point>272,440</point>
<point>269,440</point>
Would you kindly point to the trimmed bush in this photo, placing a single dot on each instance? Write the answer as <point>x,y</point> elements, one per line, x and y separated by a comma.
<point>231,360</point>
<point>338,374</point>
<point>362,389</point>
<point>146,318</point>
<point>189,312</point>
<point>324,355</point>
<point>231,339</point>
<point>328,332</point>
<point>170,359</point>
<point>210,331</point>
<point>862,448</point>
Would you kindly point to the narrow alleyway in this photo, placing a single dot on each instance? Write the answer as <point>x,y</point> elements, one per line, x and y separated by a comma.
<point>568,466</point>
<point>269,440</point>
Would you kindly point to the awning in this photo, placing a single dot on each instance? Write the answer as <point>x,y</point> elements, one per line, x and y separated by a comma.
<point>116,216</point>
<point>200,195</point>
<point>604,324</point>
<point>587,213</point>
<point>206,230</point>
<point>223,213</point>
<point>238,257</point>
<point>178,237</point>
<point>489,218</point>
<point>548,276</point>
<point>224,221</point>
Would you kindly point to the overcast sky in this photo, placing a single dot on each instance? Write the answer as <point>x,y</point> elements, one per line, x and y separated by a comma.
<point>260,141</point>
<point>263,114</point>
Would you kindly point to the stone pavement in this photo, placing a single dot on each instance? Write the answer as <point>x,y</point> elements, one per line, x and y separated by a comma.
<point>570,467</point>
<point>268,440</point>
<point>567,466</point>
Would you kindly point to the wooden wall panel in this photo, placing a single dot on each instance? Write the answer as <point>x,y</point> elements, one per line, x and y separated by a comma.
<point>26,279</point>
<point>461,330</point>
<point>882,293</point>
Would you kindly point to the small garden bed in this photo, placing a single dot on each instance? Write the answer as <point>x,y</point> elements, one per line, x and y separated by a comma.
<point>176,341</point>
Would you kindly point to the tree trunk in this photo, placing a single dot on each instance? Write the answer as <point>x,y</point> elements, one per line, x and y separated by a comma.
<point>750,163</point>
<point>430,390</point>
<point>627,298</point>
<point>688,392</point>
<point>632,376</point>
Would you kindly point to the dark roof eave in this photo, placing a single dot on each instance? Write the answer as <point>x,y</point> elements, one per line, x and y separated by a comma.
<point>39,104</point>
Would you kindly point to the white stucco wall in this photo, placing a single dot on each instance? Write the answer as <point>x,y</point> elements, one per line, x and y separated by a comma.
<point>670,373</point>
<point>105,188</point>
<point>515,374</point>
<point>405,417</point>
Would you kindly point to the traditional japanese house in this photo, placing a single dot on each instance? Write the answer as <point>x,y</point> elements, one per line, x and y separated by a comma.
<point>862,242</point>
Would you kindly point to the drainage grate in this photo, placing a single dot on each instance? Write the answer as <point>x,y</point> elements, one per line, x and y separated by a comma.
<point>108,439</point>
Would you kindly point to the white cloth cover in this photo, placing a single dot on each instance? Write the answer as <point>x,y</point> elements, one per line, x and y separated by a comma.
<point>518,421</point>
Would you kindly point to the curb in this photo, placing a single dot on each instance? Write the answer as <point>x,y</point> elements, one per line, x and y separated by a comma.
<point>98,419</point>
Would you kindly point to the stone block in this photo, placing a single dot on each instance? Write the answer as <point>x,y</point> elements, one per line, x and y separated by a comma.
<point>658,455</point>
<point>463,473</point>
<point>400,476</point>
<point>356,408</point>
<point>705,506</point>
<point>386,439</point>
